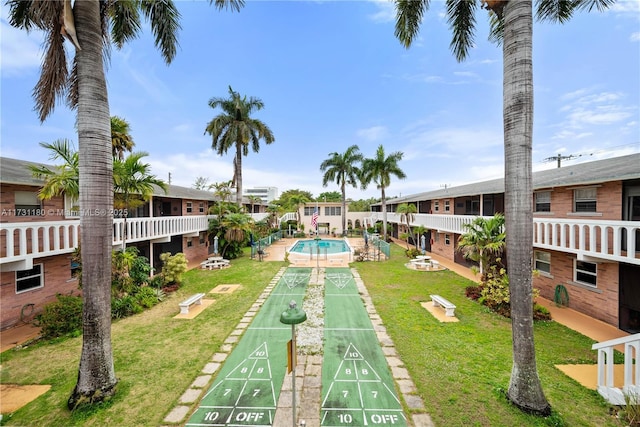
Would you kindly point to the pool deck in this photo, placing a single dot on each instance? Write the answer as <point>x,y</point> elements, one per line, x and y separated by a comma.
<point>278,250</point>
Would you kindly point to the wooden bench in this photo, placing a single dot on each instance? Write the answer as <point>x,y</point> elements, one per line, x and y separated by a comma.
<point>439,301</point>
<point>193,299</point>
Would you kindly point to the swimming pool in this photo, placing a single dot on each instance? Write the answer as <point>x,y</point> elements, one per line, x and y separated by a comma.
<point>327,246</point>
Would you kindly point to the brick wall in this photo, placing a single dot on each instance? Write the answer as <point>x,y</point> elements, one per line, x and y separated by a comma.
<point>608,202</point>
<point>440,247</point>
<point>57,279</point>
<point>600,302</point>
<point>195,253</point>
<point>51,210</point>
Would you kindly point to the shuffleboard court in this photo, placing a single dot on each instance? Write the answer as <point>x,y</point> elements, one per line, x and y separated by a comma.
<point>357,387</point>
<point>246,390</point>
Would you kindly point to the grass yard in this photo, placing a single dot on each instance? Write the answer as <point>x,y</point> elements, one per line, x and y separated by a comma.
<point>461,369</point>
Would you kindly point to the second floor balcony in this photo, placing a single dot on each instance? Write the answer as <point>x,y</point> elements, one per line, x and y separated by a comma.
<point>22,242</point>
<point>589,240</point>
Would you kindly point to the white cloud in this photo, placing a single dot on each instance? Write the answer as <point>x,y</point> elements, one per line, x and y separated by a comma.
<point>585,109</point>
<point>626,7</point>
<point>635,37</point>
<point>20,50</point>
<point>374,133</point>
<point>386,11</point>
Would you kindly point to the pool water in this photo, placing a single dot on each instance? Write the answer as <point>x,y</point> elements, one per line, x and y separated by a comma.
<point>326,246</point>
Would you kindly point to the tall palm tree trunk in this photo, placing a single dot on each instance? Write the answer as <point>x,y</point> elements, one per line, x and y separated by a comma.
<point>344,210</point>
<point>525,390</point>
<point>239,174</point>
<point>96,375</point>
<point>384,214</point>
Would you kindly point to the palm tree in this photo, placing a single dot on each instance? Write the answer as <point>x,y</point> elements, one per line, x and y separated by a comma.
<point>133,184</point>
<point>512,24</point>
<point>273,211</point>
<point>63,179</point>
<point>407,213</point>
<point>297,200</point>
<point>235,127</point>
<point>379,170</point>
<point>86,24</point>
<point>343,169</point>
<point>254,200</point>
<point>121,139</point>
<point>221,190</point>
<point>484,240</point>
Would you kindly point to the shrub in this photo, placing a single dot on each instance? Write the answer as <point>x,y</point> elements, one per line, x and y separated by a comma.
<point>473,292</point>
<point>125,306</point>
<point>140,270</point>
<point>540,312</point>
<point>413,252</point>
<point>62,317</point>
<point>173,267</point>
<point>147,297</point>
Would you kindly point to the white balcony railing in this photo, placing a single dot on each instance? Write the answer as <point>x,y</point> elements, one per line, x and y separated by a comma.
<point>631,378</point>
<point>24,241</point>
<point>588,239</point>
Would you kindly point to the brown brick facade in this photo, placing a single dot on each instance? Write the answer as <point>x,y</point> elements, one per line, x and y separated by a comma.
<point>56,279</point>
<point>600,302</point>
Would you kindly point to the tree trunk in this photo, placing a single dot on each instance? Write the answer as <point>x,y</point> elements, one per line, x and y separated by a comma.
<point>239,174</point>
<point>344,210</point>
<point>525,390</point>
<point>96,374</point>
<point>384,215</point>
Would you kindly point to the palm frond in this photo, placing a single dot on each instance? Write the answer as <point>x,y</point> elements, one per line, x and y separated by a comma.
<point>52,83</point>
<point>461,19</point>
<point>408,19</point>
<point>125,22</point>
<point>234,5</point>
<point>164,19</point>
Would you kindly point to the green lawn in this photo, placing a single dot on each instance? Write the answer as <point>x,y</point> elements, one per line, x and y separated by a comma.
<point>461,369</point>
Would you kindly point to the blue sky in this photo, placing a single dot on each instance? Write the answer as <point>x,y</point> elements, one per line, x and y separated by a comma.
<point>332,74</point>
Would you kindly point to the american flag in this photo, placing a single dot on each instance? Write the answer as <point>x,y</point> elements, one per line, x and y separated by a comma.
<point>314,219</point>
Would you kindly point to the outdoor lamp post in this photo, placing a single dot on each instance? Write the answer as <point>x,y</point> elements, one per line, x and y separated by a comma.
<point>292,316</point>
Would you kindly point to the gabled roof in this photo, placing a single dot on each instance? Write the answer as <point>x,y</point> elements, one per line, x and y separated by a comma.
<point>15,171</point>
<point>613,169</point>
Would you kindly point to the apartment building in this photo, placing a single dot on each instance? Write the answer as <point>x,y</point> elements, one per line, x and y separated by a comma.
<point>266,194</point>
<point>37,237</point>
<point>586,232</point>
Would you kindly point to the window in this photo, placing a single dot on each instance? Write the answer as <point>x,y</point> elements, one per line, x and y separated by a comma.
<point>189,207</point>
<point>203,237</point>
<point>472,207</point>
<point>447,205</point>
<point>586,273</point>
<point>308,211</point>
<point>584,199</point>
<point>436,206</point>
<point>447,239</point>
<point>201,207</point>
<point>27,203</point>
<point>189,242</point>
<point>71,207</point>
<point>543,201</point>
<point>333,210</point>
<point>542,261</point>
<point>29,279</point>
